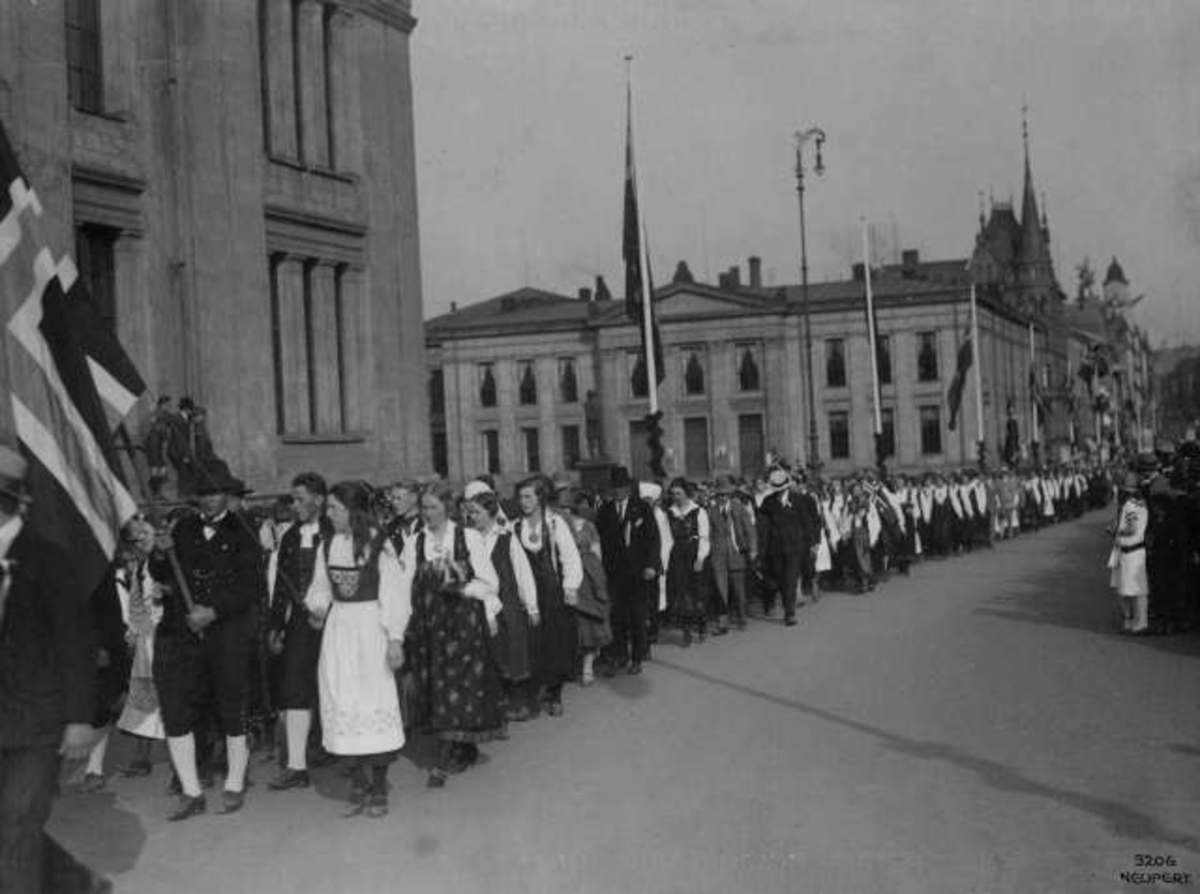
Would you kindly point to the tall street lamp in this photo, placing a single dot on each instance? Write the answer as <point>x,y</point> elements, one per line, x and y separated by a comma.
<point>802,137</point>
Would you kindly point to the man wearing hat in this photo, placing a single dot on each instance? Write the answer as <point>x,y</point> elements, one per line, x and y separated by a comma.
<point>734,548</point>
<point>631,550</point>
<point>47,668</point>
<point>792,516</point>
<point>205,644</point>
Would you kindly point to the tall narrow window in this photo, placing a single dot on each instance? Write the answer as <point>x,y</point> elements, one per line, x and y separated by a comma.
<point>441,454</point>
<point>437,392</point>
<point>527,385</point>
<point>568,384</point>
<point>327,45</point>
<point>533,457</point>
<point>748,377</point>
<point>487,385</point>
<point>639,382</point>
<point>491,450</point>
<point>835,363</point>
<point>570,446</point>
<point>277,344</point>
<point>85,86</point>
<point>883,358</point>
<point>927,357</point>
<point>298,85</point>
<point>839,435</point>
<point>693,375</point>
<point>931,430</point>
<point>97,267</point>
<point>888,418</point>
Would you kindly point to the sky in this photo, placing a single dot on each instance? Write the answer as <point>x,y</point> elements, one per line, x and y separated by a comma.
<point>520,131</point>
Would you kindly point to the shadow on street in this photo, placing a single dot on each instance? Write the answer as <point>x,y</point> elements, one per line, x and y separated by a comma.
<point>1120,819</point>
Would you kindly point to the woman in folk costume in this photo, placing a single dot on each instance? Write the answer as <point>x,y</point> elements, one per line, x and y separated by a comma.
<point>362,596</point>
<point>558,572</point>
<point>652,492</point>
<point>141,716</point>
<point>591,606</point>
<point>825,561</point>
<point>687,568</point>
<point>942,519</point>
<point>518,596</point>
<point>1128,557</point>
<point>455,607</point>
<point>858,551</point>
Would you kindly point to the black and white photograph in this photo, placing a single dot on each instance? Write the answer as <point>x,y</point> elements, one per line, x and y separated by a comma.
<point>599,446</point>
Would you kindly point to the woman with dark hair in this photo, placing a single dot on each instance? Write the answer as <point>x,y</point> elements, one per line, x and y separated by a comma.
<point>550,548</point>
<point>518,596</point>
<point>687,568</point>
<point>455,603</point>
<point>360,593</point>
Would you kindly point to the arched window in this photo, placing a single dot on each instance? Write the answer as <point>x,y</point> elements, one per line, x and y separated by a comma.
<point>693,375</point>
<point>748,379</point>
<point>568,385</point>
<point>487,386</point>
<point>527,390</point>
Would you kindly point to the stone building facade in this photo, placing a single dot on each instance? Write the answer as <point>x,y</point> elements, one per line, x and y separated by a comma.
<point>735,376</point>
<point>238,181</point>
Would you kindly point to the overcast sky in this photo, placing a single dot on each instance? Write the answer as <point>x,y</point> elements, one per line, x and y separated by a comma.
<point>520,110</point>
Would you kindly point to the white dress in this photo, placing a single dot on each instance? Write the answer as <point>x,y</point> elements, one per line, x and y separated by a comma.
<point>360,705</point>
<point>1129,565</point>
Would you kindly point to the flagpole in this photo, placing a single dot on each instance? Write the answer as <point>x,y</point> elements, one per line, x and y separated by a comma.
<point>875,395</point>
<point>647,312</point>
<point>1033,425</point>
<point>978,378</point>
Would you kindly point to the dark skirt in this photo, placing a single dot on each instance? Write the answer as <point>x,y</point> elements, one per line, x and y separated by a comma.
<point>512,640</point>
<point>456,683</point>
<point>555,642</point>
<point>687,589</point>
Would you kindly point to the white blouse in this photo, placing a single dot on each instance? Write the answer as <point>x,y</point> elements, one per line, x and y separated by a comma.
<point>533,539</point>
<point>395,591</point>
<point>484,585</point>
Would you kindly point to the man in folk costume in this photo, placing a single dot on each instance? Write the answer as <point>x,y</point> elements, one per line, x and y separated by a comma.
<point>404,497</point>
<point>294,635</point>
<point>631,550</point>
<point>207,647</point>
<point>961,524</point>
<point>1128,559</point>
<point>734,547</point>
<point>47,666</point>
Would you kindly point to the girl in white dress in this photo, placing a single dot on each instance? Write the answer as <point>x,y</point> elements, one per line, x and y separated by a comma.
<point>358,591</point>
<point>1128,558</point>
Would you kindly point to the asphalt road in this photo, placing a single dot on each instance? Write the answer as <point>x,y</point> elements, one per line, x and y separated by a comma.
<point>975,727</point>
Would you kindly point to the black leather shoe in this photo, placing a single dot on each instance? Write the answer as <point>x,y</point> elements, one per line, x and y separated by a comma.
<point>290,779</point>
<point>232,802</point>
<point>790,621</point>
<point>635,668</point>
<point>377,805</point>
<point>436,780</point>
<point>188,807</point>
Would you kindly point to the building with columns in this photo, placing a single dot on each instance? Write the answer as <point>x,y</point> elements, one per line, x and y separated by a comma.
<point>238,182</point>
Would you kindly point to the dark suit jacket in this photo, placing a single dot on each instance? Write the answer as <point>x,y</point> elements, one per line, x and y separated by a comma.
<point>47,647</point>
<point>795,524</point>
<point>224,573</point>
<point>623,562</point>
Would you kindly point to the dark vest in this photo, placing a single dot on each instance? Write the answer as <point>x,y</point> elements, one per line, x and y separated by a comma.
<point>295,565</point>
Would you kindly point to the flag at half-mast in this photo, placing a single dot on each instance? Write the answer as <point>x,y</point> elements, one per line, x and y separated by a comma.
<point>637,272</point>
<point>68,384</point>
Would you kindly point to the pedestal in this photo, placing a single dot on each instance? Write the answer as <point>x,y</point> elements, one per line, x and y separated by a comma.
<point>596,474</point>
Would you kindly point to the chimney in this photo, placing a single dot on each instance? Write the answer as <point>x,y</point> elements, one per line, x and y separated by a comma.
<point>723,281</point>
<point>909,259</point>
<point>585,294</point>
<point>755,264</point>
<point>453,307</point>
<point>858,272</point>
<point>735,277</point>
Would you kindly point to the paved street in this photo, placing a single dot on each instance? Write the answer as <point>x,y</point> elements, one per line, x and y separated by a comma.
<point>976,727</point>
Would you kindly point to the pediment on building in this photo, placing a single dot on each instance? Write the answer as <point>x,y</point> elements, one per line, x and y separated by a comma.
<point>695,300</point>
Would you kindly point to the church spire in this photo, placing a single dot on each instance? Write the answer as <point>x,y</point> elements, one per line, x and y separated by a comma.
<point>1033,244</point>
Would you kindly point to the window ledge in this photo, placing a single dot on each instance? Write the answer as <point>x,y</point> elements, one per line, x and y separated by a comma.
<point>343,438</point>
<point>117,116</point>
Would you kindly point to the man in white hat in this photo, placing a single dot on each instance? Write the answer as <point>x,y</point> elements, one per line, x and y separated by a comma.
<point>47,670</point>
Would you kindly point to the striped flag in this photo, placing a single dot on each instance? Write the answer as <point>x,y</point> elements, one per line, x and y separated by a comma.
<point>959,381</point>
<point>635,268</point>
<point>69,383</point>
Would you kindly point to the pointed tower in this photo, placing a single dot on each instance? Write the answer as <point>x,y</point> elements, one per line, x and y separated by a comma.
<point>1035,271</point>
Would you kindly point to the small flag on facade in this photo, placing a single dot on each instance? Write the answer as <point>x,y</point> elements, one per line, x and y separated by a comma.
<point>69,384</point>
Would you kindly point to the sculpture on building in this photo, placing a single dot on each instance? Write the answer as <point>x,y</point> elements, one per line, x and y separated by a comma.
<point>593,425</point>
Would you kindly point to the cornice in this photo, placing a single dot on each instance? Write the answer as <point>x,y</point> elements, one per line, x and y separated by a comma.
<point>393,13</point>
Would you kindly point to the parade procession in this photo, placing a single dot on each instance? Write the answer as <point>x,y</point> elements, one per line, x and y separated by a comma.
<point>317,575</point>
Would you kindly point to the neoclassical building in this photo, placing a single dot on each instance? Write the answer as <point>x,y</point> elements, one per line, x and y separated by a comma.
<point>238,182</point>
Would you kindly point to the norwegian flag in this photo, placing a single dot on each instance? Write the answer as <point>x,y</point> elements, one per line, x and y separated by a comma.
<point>68,382</point>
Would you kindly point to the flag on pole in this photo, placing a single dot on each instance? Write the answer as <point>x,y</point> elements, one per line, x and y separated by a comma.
<point>635,264</point>
<point>69,383</point>
<point>959,382</point>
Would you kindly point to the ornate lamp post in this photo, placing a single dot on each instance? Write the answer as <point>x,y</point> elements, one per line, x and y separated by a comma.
<point>802,137</point>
